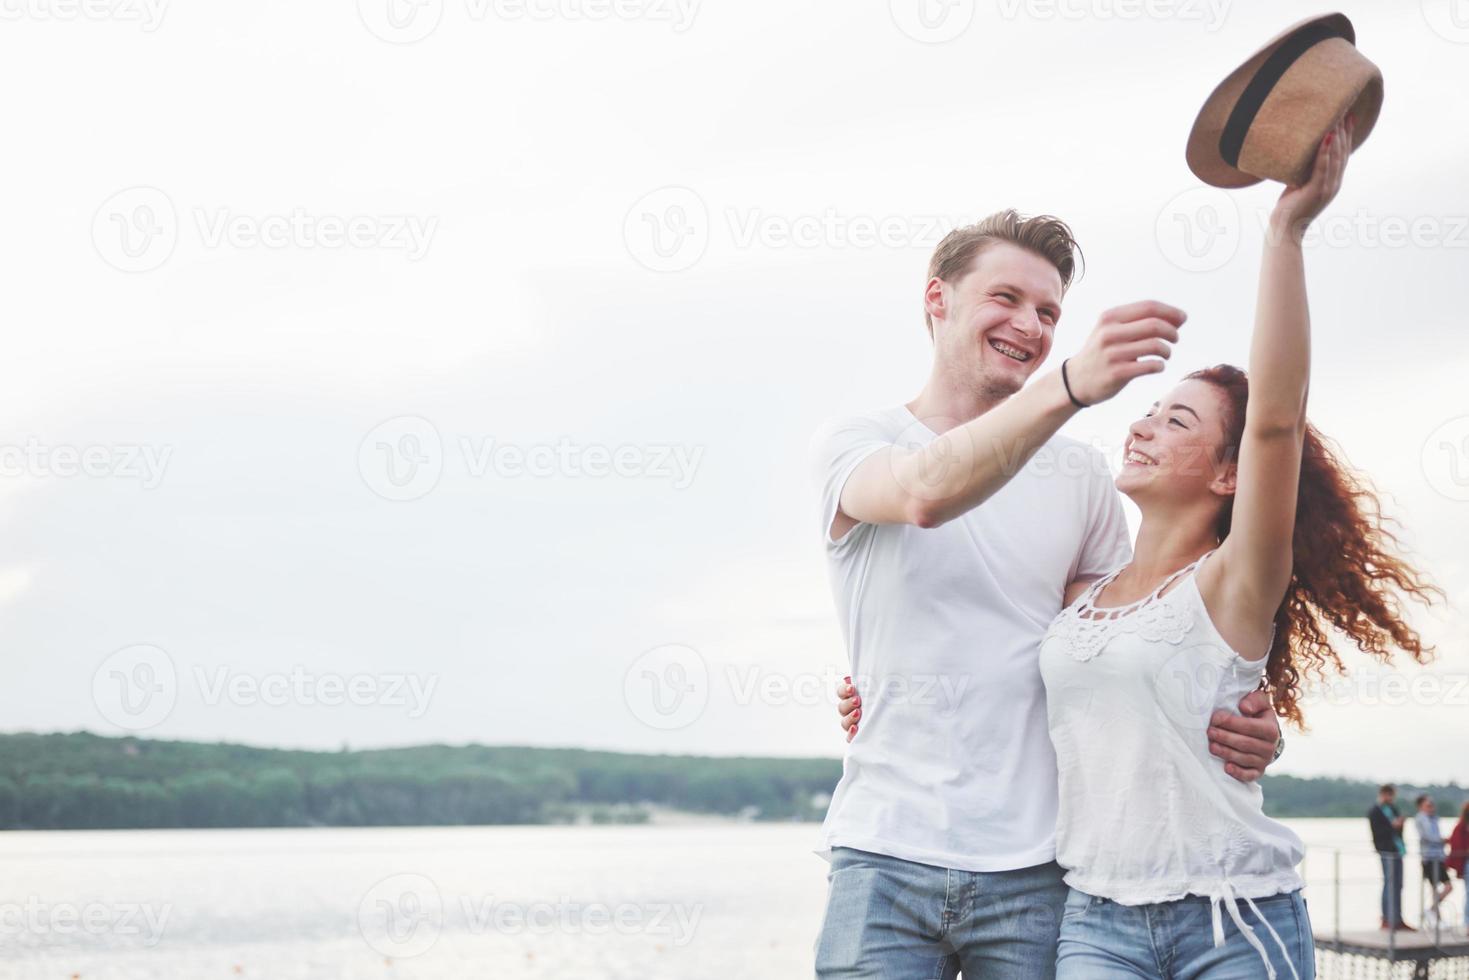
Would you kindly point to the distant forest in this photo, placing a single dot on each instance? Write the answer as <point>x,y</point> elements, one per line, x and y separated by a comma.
<point>80,780</point>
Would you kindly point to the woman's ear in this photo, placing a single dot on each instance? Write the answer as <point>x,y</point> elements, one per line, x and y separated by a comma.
<point>1224,481</point>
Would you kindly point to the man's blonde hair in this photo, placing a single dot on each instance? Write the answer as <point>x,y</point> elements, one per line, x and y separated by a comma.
<point>1044,234</point>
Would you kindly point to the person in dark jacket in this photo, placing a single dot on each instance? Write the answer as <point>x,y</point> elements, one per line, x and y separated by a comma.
<point>1387,841</point>
<point>1459,853</point>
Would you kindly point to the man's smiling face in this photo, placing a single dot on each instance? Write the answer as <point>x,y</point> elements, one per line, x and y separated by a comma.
<point>994,327</point>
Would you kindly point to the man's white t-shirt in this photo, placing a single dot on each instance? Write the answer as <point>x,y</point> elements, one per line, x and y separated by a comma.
<point>952,764</point>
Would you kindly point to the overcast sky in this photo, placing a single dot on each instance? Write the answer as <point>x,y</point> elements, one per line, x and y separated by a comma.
<point>396,374</point>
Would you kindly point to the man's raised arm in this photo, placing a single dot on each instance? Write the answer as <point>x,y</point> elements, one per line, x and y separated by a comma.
<point>962,467</point>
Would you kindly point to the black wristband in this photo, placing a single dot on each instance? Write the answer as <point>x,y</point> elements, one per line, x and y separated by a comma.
<point>1067,383</point>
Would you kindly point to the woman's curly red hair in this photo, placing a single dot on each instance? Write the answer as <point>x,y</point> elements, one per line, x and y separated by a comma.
<point>1345,574</point>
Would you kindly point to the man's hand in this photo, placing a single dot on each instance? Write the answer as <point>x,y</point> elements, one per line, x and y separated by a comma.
<point>1114,352</point>
<point>1246,741</point>
<point>849,707</point>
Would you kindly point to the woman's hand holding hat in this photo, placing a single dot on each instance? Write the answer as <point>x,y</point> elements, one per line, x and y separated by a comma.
<point>1300,205</point>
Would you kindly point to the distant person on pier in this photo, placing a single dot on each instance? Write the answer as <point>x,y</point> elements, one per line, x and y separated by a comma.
<point>1459,854</point>
<point>1387,840</point>
<point>1431,848</point>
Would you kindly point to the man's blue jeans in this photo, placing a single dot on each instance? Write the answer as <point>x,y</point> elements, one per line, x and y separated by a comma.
<point>889,919</point>
<point>1392,887</point>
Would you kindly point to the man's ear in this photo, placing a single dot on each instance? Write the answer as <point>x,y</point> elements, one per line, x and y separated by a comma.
<point>935,303</point>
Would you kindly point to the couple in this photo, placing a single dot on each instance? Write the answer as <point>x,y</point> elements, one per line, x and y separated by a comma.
<point>1031,795</point>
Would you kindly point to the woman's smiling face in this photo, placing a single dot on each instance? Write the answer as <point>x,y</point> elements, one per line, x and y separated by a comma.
<point>1174,451</point>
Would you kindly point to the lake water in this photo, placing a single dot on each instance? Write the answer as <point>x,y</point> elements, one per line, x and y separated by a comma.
<point>649,902</point>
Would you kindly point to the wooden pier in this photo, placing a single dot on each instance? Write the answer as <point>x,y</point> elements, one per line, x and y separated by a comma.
<point>1378,953</point>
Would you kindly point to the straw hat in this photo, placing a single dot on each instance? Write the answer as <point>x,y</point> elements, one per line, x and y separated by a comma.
<point>1265,121</point>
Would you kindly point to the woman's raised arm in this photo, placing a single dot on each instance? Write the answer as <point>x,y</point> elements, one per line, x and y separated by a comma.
<point>1256,559</point>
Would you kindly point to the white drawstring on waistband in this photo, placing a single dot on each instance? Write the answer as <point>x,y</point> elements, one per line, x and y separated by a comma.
<point>1228,899</point>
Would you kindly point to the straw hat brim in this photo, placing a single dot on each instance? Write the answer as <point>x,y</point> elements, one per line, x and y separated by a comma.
<point>1360,93</point>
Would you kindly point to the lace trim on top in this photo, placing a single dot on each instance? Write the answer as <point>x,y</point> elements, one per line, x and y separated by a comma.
<point>1086,628</point>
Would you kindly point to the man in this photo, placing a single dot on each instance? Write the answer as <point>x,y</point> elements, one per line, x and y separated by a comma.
<point>952,526</point>
<point>1387,841</point>
<point>1431,848</point>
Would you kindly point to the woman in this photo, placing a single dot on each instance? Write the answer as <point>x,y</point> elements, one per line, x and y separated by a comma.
<point>1254,538</point>
<point>1458,860</point>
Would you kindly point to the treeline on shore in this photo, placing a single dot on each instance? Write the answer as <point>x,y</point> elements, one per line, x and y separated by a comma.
<point>80,780</point>
<point>85,781</point>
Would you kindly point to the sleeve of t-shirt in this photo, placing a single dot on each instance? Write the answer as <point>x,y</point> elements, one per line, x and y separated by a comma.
<point>837,448</point>
<point>1107,544</point>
